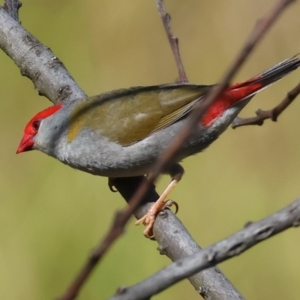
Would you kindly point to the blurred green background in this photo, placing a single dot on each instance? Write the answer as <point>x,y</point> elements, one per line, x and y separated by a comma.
<point>51,216</point>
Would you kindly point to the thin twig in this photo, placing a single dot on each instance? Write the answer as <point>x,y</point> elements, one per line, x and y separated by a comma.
<point>122,218</point>
<point>12,7</point>
<point>173,40</point>
<point>252,234</point>
<point>273,114</point>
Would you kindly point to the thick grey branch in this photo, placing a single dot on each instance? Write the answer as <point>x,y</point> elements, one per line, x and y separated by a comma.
<point>37,62</point>
<point>175,242</point>
<point>252,234</point>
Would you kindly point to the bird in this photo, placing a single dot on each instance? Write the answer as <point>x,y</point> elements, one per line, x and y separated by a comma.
<point>121,133</point>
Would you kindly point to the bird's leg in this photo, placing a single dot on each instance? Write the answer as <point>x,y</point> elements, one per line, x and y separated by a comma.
<point>176,171</point>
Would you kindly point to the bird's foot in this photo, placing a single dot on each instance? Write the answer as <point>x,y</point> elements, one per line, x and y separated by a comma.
<point>149,218</point>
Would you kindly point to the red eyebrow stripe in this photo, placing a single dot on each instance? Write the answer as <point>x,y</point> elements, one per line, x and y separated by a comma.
<point>47,112</point>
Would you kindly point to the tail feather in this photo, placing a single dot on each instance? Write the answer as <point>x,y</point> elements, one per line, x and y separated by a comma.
<point>274,73</point>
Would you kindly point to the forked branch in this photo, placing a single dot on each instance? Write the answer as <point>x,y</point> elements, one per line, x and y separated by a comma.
<point>272,114</point>
<point>12,7</point>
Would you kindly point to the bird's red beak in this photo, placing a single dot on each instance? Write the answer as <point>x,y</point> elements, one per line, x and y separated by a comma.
<point>26,144</point>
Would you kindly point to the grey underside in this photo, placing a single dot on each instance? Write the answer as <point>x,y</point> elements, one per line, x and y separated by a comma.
<point>98,155</point>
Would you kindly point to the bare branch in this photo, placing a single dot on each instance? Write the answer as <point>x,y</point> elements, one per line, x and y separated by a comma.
<point>174,241</point>
<point>252,234</point>
<point>272,114</point>
<point>166,19</point>
<point>12,8</point>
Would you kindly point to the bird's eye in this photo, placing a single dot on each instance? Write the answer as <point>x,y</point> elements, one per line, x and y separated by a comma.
<point>36,125</point>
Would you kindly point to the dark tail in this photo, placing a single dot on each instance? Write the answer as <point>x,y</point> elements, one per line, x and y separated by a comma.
<point>280,70</point>
<point>272,74</point>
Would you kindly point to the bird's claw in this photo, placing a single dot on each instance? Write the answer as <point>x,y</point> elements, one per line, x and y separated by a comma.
<point>111,184</point>
<point>149,218</point>
<point>170,203</point>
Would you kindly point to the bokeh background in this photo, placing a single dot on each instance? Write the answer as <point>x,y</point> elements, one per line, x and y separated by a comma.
<point>51,216</point>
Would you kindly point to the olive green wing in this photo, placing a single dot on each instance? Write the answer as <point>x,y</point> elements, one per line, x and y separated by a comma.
<point>129,115</point>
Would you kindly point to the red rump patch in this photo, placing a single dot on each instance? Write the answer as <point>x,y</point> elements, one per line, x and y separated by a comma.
<point>228,98</point>
<point>29,129</point>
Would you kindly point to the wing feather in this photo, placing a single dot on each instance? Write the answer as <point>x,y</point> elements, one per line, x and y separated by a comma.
<point>127,116</point>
